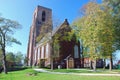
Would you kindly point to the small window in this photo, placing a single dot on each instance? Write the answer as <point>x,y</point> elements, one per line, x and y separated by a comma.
<point>43,16</point>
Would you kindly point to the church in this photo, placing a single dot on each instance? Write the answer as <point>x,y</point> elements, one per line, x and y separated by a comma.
<point>48,47</point>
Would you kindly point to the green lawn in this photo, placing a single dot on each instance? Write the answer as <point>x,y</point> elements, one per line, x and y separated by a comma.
<point>29,74</point>
<point>98,71</point>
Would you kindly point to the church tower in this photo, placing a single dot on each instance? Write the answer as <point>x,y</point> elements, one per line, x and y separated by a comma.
<point>42,23</point>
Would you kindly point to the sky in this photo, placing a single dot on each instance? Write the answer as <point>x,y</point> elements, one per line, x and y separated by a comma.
<point>22,11</point>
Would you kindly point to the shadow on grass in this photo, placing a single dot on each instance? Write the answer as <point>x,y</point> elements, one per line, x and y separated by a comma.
<point>17,68</point>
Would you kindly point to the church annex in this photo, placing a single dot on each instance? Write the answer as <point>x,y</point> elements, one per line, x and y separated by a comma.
<point>42,49</point>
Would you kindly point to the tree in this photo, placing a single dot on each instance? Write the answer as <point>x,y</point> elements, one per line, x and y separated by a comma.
<point>88,29</point>
<point>18,58</point>
<point>7,27</point>
<point>96,30</point>
<point>10,58</point>
<point>46,34</point>
<point>25,60</point>
<point>114,9</point>
<point>0,57</point>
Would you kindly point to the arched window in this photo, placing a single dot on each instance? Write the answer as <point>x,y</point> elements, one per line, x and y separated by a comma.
<point>43,16</point>
<point>76,54</point>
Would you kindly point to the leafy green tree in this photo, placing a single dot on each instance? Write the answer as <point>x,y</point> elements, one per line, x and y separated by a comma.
<point>10,57</point>
<point>46,29</point>
<point>19,57</point>
<point>106,36</point>
<point>96,29</point>
<point>25,60</point>
<point>114,9</point>
<point>88,29</point>
<point>7,28</point>
<point>56,45</point>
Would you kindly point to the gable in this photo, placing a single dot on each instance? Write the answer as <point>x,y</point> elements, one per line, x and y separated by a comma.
<point>65,27</point>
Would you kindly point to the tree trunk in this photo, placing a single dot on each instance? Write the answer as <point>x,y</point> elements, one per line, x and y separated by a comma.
<point>51,55</point>
<point>51,64</point>
<point>94,67</point>
<point>51,61</point>
<point>91,67</point>
<point>4,61</point>
<point>104,64</point>
<point>82,60</point>
<point>111,64</point>
<point>4,55</point>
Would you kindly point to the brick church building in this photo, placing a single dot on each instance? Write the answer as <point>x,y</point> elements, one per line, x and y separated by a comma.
<point>41,51</point>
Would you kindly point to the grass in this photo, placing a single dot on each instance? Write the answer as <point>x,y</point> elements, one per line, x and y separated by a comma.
<point>98,71</point>
<point>70,70</point>
<point>30,74</point>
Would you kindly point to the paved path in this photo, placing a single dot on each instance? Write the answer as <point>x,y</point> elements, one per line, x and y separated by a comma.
<point>82,74</point>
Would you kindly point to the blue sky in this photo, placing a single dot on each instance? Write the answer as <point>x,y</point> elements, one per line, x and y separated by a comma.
<point>22,11</point>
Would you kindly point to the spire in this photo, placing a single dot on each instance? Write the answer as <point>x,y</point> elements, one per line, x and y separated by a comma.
<point>66,22</point>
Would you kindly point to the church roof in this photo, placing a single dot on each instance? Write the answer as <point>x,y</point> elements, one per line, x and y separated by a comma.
<point>60,27</point>
<point>47,36</point>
